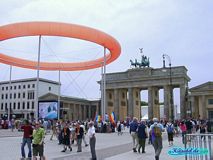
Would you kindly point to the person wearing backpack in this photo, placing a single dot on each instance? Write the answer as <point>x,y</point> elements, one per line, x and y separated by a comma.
<point>156,130</point>
<point>170,132</point>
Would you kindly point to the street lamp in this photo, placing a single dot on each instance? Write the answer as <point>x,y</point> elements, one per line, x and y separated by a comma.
<point>188,101</point>
<point>170,83</point>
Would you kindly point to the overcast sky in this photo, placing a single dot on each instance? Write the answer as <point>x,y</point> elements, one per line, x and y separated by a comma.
<point>179,28</point>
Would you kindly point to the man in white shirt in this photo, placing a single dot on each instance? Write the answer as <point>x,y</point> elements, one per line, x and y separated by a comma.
<point>92,139</point>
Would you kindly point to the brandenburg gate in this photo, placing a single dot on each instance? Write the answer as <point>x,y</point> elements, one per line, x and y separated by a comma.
<point>123,91</point>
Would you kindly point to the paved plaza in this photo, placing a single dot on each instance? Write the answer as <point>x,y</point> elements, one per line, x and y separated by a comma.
<point>108,146</point>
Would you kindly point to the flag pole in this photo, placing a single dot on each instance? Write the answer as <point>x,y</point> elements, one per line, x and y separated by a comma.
<point>37,80</point>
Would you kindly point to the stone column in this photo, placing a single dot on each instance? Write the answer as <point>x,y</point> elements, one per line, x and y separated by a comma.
<point>150,103</point>
<point>74,112</point>
<point>90,108</point>
<point>85,112</point>
<point>106,104</point>
<point>130,109</point>
<point>183,102</point>
<point>122,104</point>
<point>137,103</point>
<point>192,105</point>
<point>156,105</point>
<point>109,102</point>
<point>116,103</point>
<point>97,109</point>
<point>154,110</point>
<point>166,102</point>
<point>79,112</point>
<point>196,107</point>
<point>69,111</point>
<point>203,106</point>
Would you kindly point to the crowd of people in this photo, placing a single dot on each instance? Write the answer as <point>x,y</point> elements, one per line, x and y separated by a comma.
<point>5,124</point>
<point>66,132</point>
<point>73,132</point>
<point>153,129</point>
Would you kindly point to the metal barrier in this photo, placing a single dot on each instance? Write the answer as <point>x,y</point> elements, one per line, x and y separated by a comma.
<point>202,142</point>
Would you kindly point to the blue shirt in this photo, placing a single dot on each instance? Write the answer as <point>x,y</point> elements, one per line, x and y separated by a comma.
<point>133,127</point>
<point>142,131</point>
<point>159,125</point>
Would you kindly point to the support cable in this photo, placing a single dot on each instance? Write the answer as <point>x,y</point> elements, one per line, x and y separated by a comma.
<point>73,79</point>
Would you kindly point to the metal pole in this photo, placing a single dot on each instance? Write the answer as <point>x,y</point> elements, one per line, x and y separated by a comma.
<point>37,80</point>
<point>104,84</point>
<point>171,92</point>
<point>9,94</point>
<point>170,83</point>
<point>164,61</point>
<point>102,90</point>
<point>185,143</point>
<point>59,92</point>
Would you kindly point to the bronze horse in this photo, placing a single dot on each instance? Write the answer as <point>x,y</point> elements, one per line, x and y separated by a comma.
<point>144,62</point>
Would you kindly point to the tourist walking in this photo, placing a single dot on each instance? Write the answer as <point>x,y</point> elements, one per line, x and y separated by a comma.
<point>170,132</point>
<point>65,132</point>
<point>85,132</point>
<point>149,123</point>
<point>209,125</point>
<point>142,135</point>
<point>66,137</point>
<point>183,130</point>
<point>189,126</point>
<point>27,139</point>
<point>72,129</point>
<point>38,142</point>
<point>202,130</point>
<point>133,132</point>
<point>54,130</point>
<point>175,126</point>
<point>92,140</point>
<point>79,131</point>
<point>45,126</point>
<point>119,129</point>
<point>59,128</point>
<point>12,123</point>
<point>156,130</point>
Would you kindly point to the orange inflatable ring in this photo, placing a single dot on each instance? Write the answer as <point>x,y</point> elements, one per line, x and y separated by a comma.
<point>59,29</point>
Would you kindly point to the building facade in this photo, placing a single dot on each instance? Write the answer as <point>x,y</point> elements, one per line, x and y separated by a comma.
<point>201,101</point>
<point>73,108</point>
<point>20,95</point>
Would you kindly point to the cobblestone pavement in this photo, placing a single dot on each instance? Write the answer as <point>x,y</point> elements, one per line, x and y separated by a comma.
<point>124,152</point>
<point>108,147</point>
<point>101,153</point>
<point>9,133</point>
<point>149,155</point>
